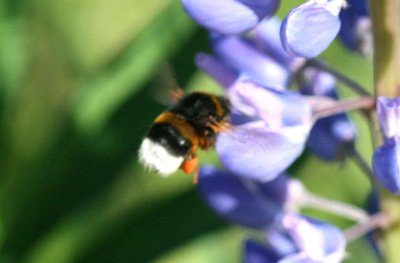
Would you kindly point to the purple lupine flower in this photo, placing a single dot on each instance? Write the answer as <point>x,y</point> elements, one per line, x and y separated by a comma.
<point>309,29</point>
<point>356,30</point>
<point>333,137</point>
<point>317,241</point>
<point>219,71</point>
<point>271,126</point>
<point>230,16</point>
<point>386,158</point>
<point>312,240</point>
<point>266,37</point>
<point>274,135</point>
<point>254,252</point>
<point>244,201</point>
<point>250,63</point>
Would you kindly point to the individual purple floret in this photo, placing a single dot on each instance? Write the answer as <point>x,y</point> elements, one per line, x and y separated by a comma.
<point>230,16</point>
<point>267,39</point>
<point>317,241</point>
<point>331,138</point>
<point>272,138</point>
<point>386,158</point>
<point>309,29</point>
<point>313,241</point>
<point>254,252</point>
<point>243,57</point>
<point>271,126</point>
<point>356,29</point>
<point>219,71</point>
<point>385,164</point>
<point>244,201</point>
<point>389,117</point>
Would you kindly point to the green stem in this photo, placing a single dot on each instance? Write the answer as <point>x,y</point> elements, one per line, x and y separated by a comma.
<point>386,28</point>
<point>351,84</point>
<point>377,221</point>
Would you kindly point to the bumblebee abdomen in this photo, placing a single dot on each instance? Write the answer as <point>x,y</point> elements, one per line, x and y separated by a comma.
<point>167,144</point>
<point>167,135</point>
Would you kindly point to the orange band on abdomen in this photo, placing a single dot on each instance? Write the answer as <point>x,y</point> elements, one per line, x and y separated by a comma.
<point>184,128</point>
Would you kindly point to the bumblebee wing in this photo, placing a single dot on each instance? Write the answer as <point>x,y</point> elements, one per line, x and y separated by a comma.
<point>165,88</point>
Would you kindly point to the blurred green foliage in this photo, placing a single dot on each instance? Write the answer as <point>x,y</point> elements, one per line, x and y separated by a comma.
<point>78,82</point>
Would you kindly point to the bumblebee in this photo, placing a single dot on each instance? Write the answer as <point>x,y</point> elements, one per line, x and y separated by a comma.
<point>193,122</point>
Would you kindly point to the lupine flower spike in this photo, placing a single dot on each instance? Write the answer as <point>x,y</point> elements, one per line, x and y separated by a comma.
<point>257,60</point>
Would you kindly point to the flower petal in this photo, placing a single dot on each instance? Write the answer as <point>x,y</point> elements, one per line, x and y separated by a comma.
<point>296,258</point>
<point>386,164</point>
<point>255,151</point>
<point>280,241</point>
<point>257,253</point>
<point>356,30</point>
<point>262,8</point>
<point>319,241</point>
<point>267,38</point>
<point>250,63</point>
<point>331,138</point>
<point>389,116</point>
<point>310,28</point>
<point>229,16</point>
<point>275,108</point>
<point>216,69</point>
<point>236,199</point>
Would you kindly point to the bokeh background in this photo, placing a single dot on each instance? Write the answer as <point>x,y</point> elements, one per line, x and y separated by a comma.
<point>80,84</point>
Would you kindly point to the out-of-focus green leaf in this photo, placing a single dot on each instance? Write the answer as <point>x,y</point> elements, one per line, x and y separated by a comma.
<point>201,81</point>
<point>93,32</point>
<point>100,96</point>
<point>360,251</point>
<point>220,246</point>
<point>113,215</point>
<point>72,190</point>
<point>13,53</point>
<point>125,200</point>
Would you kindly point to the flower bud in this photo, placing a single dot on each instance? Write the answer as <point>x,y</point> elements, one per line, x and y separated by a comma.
<point>310,28</point>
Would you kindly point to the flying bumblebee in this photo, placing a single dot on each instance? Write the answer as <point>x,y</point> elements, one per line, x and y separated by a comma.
<point>193,122</point>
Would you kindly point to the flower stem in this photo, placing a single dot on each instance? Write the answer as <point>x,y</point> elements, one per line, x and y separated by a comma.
<point>362,164</point>
<point>379,220</point>
<point>365,102</point>
<point>357,88</point>
<point>334,207</point>
<point>386,29</point>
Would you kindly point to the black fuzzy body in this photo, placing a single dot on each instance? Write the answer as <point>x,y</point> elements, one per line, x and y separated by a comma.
<point>188,122</point>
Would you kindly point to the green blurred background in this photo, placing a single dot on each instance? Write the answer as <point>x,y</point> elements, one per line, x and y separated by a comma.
<point>78,86</point>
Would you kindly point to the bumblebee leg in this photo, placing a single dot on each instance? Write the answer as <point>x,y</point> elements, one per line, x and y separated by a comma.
<point>196,175</point>
<point>207,140</point>
<point>220,127</point>
<point>190,164</point>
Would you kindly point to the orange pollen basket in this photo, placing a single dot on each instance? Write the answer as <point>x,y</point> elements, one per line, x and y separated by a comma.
<point>191,166</point>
